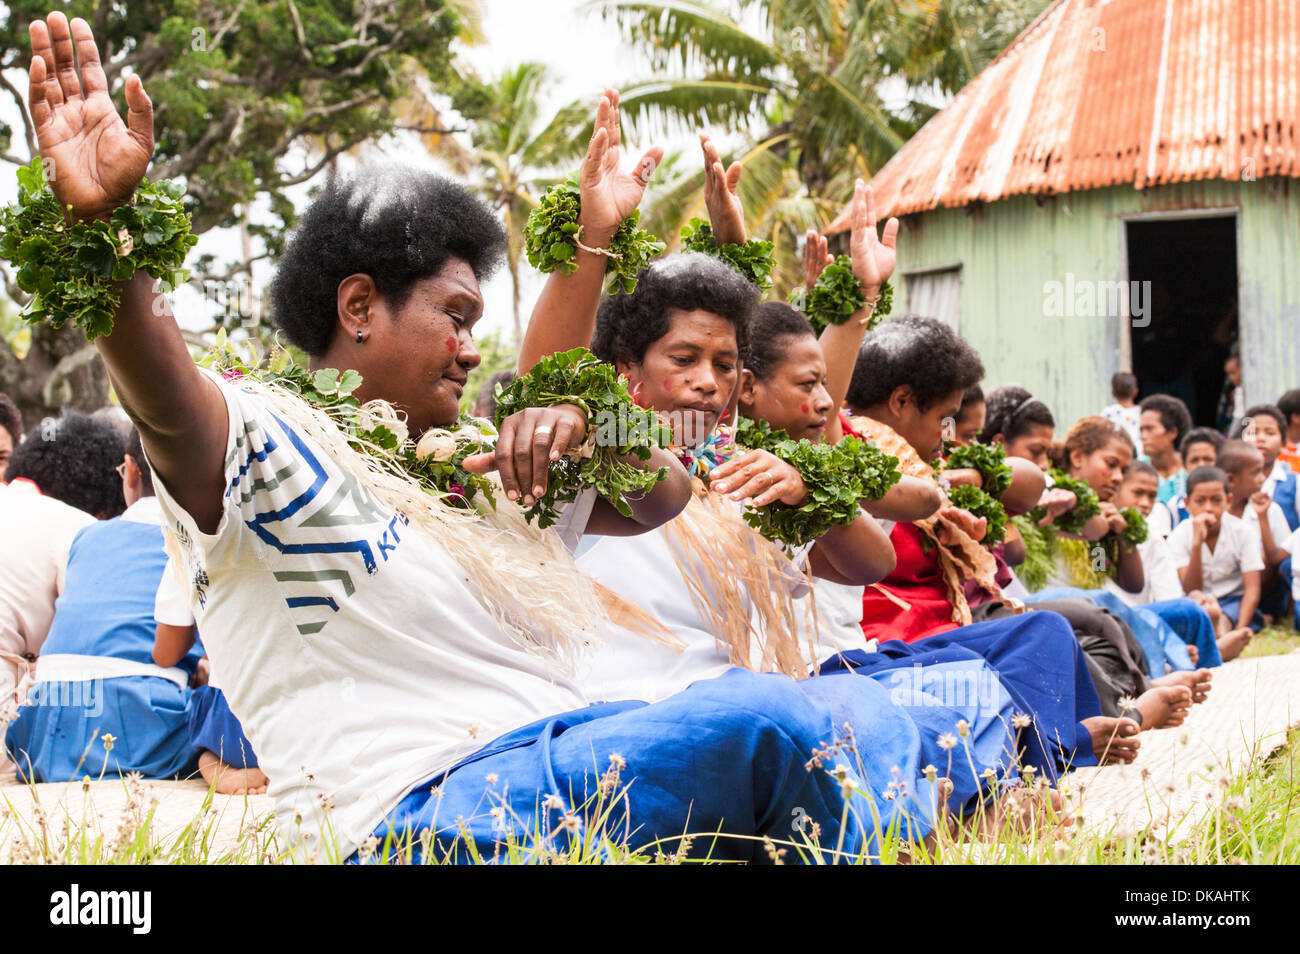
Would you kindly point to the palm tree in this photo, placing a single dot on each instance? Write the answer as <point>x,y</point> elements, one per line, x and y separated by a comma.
<point>516,155</point>
<point>806,77</point>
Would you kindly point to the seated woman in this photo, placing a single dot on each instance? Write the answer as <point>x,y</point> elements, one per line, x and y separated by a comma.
<point>100,705</point>
<point>396,658</point>
<point>725,593</point>
<point>1097,452</point>
<point>910,375</point>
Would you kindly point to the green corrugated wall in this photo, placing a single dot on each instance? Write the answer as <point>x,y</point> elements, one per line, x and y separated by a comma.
<point>1010,249</point>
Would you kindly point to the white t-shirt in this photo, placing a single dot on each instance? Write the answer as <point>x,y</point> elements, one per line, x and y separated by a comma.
<point>171,604</point>
<point>1158,571</point>
<point>1292,545</point>
<point>347,642</point>
<point>1161,520</point>
<point>1129,418</point>
<point>1276,523</point>
<point>644,570</point>
<point>1238,551</point>
<point>37,532</point>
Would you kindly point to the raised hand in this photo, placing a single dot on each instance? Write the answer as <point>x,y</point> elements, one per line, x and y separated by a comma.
<point>726,214</point>
<point>609,195</point>
<point>98,160</point>
<point>816,256</point>
<point>873,257</point>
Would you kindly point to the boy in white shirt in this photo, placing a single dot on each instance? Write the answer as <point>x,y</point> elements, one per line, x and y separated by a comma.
<point>1217,552</point>
<point>1244,465</point>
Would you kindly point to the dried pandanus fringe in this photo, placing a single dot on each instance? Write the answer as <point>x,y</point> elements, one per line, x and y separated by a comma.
<point>741,585</point>
<point>523,576</point>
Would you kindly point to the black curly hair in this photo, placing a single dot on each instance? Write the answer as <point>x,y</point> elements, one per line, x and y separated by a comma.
<point>922,353</point>
<point>1289,404</point>
<point>774,324</point>
<point>1013,412</point>
<point>74,458</point>
<point>1174,415</point>
<point>628,324</point>
<point>394,223</point>
<point>1201,435</point>
<point>10,419</point>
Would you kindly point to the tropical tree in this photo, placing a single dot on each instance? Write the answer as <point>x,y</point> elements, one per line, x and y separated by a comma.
<point>517,152</point>
<point>807,81</point>
<point>252,99</point>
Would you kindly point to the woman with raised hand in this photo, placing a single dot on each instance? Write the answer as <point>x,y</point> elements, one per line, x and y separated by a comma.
<point>374,639</point>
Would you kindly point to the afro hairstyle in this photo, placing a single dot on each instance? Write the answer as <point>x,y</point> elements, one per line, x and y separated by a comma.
<point>922,353</point>
<point>74,458</point>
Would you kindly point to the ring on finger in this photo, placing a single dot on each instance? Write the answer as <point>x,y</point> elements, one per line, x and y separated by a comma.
<point>543,430</point>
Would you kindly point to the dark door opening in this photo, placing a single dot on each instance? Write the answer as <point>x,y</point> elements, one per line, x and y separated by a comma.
<point>1191,308</point>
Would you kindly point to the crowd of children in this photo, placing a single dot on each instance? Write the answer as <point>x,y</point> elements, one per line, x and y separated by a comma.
<point>228,589</point>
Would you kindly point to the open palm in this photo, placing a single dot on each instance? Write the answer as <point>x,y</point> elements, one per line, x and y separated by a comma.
<point>93,160</point>
<point>609,195</point>
<point>873,257</point>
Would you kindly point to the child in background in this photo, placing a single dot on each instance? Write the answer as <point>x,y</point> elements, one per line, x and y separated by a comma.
<point>1265,426</point>
<point>1232,402</point>
<point>971,416</point>
<point>1125,412</point>
<point>1200,448</point>
<point>1289,405</point>
<point>1165,420</point>
<point>1219,554</point>
<point>1244,465</point>
<point>226,759</point>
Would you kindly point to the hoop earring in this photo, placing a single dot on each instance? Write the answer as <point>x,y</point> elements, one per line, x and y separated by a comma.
<point>360,338</point>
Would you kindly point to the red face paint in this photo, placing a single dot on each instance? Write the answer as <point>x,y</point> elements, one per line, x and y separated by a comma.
<point>804,408</point>
<point>668,384</point>
<point>451,344</point>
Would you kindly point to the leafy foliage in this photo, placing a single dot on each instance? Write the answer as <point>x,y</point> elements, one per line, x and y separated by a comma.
<point>1040,552</point>
<point>989,459</point>
<point>838,478</point>
<point>1087,506</point>
<point>1135,532</point>
<point>838,295</point>
<point>971,498</point>
<point>616,428</point>
<point>753,259</point>
<point>434,461</point>
<point>552,235</point>
<point>69,268</point>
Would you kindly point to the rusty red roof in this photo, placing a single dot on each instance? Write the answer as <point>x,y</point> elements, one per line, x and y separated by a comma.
<point>1108,92</point>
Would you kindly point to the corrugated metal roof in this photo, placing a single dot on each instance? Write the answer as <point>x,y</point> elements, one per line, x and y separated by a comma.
<point>1105,92</point>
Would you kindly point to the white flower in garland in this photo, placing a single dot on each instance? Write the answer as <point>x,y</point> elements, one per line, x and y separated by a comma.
<point>436,443</point>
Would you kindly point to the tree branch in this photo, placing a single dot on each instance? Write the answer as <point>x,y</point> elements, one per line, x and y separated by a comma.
<point>311,171</point>
<point>28,130</point>
<point>51,391</point>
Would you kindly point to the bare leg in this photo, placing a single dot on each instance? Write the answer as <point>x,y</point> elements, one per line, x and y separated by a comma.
<point>228,780</point>
<point>1234,641</point>
<point>1113,740</point>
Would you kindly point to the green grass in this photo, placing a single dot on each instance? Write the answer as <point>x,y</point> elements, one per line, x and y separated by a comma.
<point>1255,821</point>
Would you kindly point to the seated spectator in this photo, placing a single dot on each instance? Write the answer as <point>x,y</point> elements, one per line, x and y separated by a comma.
<point>1219,554</point>
<point>59,479</point>
<point>11,431</point>
<point>1244,465</point>
<point>1289,405</point>
<point>100,705</point>
<point>1165,420</point>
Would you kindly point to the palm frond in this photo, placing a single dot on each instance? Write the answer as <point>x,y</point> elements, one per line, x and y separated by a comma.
<point>693,33</point>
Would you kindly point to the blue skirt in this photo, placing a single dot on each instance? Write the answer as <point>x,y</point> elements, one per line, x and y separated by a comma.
<point>214,728</point>
<point>61,734</point>
<point>1037,662</point>
<point>727,760</point>
<point>1164,647</point>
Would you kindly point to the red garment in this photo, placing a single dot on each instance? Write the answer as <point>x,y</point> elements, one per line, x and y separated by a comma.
<point>915,580</point>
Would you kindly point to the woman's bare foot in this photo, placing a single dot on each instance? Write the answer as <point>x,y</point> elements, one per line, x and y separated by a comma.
<point>1164,706</point>
<point>1114,740</point>
<point>1234,641</point>
<point>228,780</point>
<point>1196,680</point>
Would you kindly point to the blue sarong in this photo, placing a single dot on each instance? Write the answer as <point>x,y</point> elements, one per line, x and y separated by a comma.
<point>1162,646</point>
<point>1036,660</point>
<point>725,761</point>
<point>213,727</point>
<point>59,734</point>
